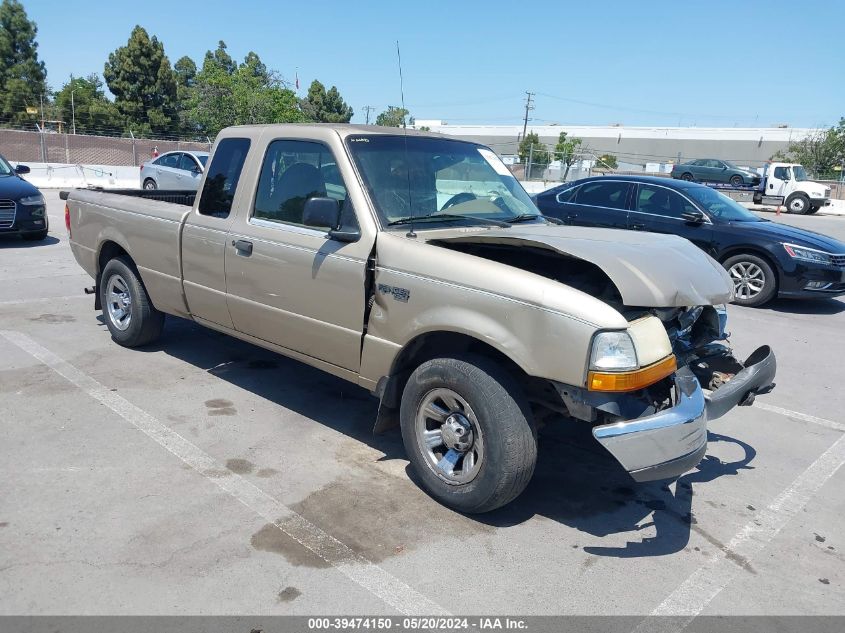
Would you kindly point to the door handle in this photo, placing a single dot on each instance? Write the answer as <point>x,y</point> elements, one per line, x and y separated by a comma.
<point>638,226</point>
<point>571,216</point>
<point>243,247</point>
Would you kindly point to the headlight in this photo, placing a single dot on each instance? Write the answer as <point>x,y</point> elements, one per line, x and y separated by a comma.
<point>33,200</point>
<point>614,351</point>
<point>807,254</point>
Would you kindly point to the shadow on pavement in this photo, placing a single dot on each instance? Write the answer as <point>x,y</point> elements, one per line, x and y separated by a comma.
<point>15,241</point>
<point>808,306</point>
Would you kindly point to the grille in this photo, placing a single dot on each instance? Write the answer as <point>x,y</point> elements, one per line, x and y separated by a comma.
<point>838,260</point>
<point>7,213</point>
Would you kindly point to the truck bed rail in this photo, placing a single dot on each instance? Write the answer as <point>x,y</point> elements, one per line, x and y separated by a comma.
<point>176,196</point>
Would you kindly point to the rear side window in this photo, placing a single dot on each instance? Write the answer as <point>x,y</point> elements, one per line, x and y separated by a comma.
<point>567,195</point>
<point>662,201</point>
<point>603,194</point>
<point>168,160</point>
<point>221,182</point>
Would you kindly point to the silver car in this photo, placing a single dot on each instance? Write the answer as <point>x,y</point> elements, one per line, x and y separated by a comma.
<point>174,170</point>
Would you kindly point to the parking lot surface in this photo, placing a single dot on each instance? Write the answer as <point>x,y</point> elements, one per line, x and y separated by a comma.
<point>202,475</point>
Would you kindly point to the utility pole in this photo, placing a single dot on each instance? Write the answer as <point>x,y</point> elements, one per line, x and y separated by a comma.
<point>528,107</point>
<point>73,111</point>
<point>368,109</point>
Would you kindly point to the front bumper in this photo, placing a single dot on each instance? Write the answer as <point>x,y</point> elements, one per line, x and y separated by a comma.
<point>672,441</point>
<point>820,202</point>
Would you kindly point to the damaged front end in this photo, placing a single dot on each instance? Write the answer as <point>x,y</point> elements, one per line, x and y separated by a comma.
<point>660,431</point>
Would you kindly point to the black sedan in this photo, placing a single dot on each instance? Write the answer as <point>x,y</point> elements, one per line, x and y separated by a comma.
<point>764,259</point>
<point>22,208</point>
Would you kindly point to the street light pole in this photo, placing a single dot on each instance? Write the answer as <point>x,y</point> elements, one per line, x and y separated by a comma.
<point>73,111</point>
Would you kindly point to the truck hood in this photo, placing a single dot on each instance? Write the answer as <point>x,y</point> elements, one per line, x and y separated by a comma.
<point>648,269</point>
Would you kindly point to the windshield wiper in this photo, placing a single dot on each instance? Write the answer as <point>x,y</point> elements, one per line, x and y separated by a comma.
<point>447,217</point>
<point>525,217</point>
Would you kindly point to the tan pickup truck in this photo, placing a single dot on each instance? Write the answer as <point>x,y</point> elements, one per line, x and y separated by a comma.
<point>416,266</point>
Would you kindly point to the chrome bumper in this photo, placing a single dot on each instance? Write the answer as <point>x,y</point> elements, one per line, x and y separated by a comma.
<point>673,441</point>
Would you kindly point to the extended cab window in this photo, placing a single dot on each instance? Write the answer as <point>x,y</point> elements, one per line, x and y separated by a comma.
<point>662,201</point>
<point>221,182</point>
<point>603,194</point>
<point>293,172</point>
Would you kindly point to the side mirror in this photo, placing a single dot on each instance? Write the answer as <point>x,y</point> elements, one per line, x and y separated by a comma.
<point>21,170</point>
<point>325,212</point>
<point>693,217</point>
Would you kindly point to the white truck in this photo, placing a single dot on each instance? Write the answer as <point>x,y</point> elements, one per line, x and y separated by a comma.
<point>787,184</point>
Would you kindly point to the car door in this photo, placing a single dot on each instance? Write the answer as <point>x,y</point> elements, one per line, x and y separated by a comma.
<point>778,181</point>
<point>601,203</point>
<point>290,284</point>
<point>659,209</point>
<point>190,173</point>
<point>166,167</point>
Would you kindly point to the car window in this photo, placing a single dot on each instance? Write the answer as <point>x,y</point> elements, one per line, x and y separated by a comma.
<point>169,160</point>
<point>567,195</point>
<point>699,163</point>
<point>221,182</point>
<point>662,201</point>
<point>187,162</point>
<point>609,194</point>
<point>292,173</point>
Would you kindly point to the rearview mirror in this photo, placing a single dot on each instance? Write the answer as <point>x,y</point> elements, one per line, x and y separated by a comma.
<point>693,217</point>
<point>21,169</point>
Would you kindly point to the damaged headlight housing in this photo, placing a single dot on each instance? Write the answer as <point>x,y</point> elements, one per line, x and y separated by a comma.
<point>613,351</point>
<point>807,254</point>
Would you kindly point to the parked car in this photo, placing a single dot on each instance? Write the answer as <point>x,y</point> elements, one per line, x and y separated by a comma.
<point>463,313</point>
<point>23,210</point>
<point>714,170</point>
<point>174,171</point>
<point>765,259</point>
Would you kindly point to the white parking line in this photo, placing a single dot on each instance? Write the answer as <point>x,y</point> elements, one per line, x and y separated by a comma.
<point>691,597</point>
<point>801,416</point>
<point>15,302</point>
<point>371,577</point>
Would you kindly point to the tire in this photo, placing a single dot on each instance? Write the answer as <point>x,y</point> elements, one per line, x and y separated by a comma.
<point>747,267</point>
<point>477,395</point>
<point>35,237</point>
<point>813,209</point>
<point>737,181</point>
<point>687,176</point>
<point>798,203</point>
<point>133,322</point>
<point>150,184</point>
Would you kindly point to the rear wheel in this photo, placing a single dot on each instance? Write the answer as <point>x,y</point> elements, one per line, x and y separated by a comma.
<point>754,280</point>
<point>798,203</point>
<point>149,183</point>
<point>129,314</point>
<point>737,181</point>
<point>468,432</point>
<point>687,176</point>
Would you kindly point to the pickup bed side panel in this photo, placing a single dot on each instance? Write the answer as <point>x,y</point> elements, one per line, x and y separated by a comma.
<point>148,230</point>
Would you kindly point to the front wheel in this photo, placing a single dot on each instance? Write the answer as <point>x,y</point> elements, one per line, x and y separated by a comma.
<point>129,314</point>
<point>798,203</point>
<point>468,432</point>
<point>754,280</point>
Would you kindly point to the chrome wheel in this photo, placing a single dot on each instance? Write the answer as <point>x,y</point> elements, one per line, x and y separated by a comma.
<point>797,205</point>
<point>150,184</point>
<point>748,278</point>
<point>119,302</point>
<point>449,436</point>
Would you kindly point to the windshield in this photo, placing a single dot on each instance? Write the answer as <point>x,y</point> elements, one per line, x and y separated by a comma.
<point>440,179</point>
<point>799,173</point>
<point>5,168</point>
<point>720,206</point>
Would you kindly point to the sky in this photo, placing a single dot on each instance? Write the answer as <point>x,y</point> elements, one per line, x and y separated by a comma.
<point>705,63</point>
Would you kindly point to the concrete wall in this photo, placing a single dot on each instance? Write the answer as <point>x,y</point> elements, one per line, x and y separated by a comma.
<point>63,175</point>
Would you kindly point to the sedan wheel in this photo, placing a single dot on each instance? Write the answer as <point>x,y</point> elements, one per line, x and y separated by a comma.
<point>150,184</point>
<point>687,176</point>
<point>737,181</point>
<point>753,280</point>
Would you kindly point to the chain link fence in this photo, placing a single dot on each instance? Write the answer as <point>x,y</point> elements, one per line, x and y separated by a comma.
<point>48,147</point>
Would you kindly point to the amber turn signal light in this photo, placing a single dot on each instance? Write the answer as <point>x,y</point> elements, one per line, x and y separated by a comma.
<point>631,380</point>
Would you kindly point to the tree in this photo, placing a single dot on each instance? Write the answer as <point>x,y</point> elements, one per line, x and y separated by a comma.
<point>569,150</point>
<point>221,59</point>
<point>82,100</point>
<point>606,161</point>
<point>250,94</point>
<point>392,117</point>
<point>185,71</point>
<point>820,151</point>
<point>144,85</point>
<point>22,75</point>
<point>539,156</point>
<point>325,107</point>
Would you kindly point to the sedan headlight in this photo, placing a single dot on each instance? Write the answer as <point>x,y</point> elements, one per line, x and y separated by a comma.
<point>37,199</point>
<point>807,254</point>
<point>613,351</point>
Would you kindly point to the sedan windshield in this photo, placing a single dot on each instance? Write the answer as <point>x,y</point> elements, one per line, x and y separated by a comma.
<point>720,206</point>
<point>441,180</point>
<point>5,168</point>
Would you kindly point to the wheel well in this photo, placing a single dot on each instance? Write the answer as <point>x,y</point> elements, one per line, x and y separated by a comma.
<point>435,345</point>
<point>757,253</point>
<point>108,251</point>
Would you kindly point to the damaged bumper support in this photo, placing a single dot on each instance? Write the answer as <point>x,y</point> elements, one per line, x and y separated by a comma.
<point>671,442</point>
